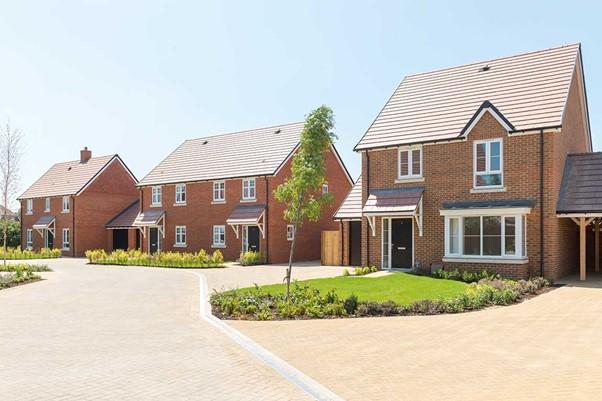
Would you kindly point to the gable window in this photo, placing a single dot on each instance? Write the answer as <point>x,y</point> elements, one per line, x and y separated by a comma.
<point>219,236</point>
<point>181,194</point>
<point>66,242</point>
<point>66,205</point>
<point>290,232</point>
<point>156,196</point>
<point>47,204</point>
<point>29,206</point>
<point>488,164</point>
<point>180,236</point>
<point>29,238</point>
<point>409,163</point>
<point>219,191</point>
<point>248,189</point>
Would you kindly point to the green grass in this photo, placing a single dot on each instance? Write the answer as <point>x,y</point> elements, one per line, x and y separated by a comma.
<point>401,288</point>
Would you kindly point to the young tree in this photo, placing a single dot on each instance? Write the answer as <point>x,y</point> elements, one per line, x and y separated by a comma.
<point>10,157</point>
<point>302,191</point>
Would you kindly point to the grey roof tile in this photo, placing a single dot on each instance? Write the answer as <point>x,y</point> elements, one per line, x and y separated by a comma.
<point>393,200</point>
<point>351,208</point>
<point>581,189</point>
<point>126,218</point>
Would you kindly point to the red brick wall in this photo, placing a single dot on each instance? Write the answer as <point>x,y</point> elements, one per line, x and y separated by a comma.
<point>62,220</point>
<point>199,215</point>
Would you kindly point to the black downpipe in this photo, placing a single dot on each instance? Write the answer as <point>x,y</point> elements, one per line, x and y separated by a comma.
<point>265,221</point>
<point>541,188</point>
<point>72,239</point>
<point>367,181</point>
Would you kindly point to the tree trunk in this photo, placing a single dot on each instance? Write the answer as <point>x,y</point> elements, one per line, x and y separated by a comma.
<point>290,262</point>
<point>5,225</point>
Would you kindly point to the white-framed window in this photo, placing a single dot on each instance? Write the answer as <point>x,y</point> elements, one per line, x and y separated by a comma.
<point>248,189</point>
<point>47,204</point>
<point>66,205</point>
<point>488,164</point>
<point>29,207</point>
<point>29,238</point>
<point>156,196</point>
<point>180,236</point>
<point>219,236</point>
<point>66,240</point>
<point>290,232</point>
<point>180,193</point>
<point>325,188</point>
<point>486,236</point>
<point>409,162</point>
<point>219,191</point>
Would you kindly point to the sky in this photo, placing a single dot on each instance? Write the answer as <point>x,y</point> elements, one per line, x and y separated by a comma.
<point>138,77</point>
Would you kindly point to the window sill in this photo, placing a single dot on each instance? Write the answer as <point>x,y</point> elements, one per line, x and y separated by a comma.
<point>180,245</point>
<point>155,205</point>
<point>45,211</point>
<point>505,261</point>
<point>65,211</point>
<point>65,249</point>
<point>179,204</point>
<point>487,189</point>
<point>248,200</point>
<point>218,246</point>
<point>218,202</point>
<point>409,179</point>
<point>28,213</point>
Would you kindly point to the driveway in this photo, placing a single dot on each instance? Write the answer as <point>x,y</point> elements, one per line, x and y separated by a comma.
<point>114,333</point>
<point>547,348</point>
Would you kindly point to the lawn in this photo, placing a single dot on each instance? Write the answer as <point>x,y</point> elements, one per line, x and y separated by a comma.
<point>401,288</point>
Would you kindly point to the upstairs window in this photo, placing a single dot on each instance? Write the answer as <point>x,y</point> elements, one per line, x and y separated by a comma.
<point>290,232</point>
<point>181,193</point>
<point>66,205</point>
<point>29,206</point>
<point>409,163</point>
<point>325,188</point>
<point>47,205</point>
<point>156,196</point>
<point>248,189</point>
<point>219,191</point>
<point>488,164</point>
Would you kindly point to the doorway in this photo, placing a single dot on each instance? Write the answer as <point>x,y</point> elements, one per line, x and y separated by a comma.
<point>250,241</point>
<point>154,240</point>
<point>120,239</point>
<point>398,243</point>
<point>49,239</point>
<point>355,243</point>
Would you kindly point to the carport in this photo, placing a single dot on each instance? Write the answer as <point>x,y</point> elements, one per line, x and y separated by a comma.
<point>580,199</point>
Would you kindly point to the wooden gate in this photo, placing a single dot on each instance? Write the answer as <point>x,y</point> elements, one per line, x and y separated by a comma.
<point>330,248</point>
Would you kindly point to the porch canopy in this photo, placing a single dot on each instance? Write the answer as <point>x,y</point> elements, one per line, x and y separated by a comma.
<point>394,202</point>
<point>126,218</point>
<point>44,223</point>
<point>580,199</point>
<point>151,218</point>
<point>247,215</point>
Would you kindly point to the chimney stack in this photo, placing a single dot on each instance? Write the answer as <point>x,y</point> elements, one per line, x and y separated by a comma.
<point>85,155</point>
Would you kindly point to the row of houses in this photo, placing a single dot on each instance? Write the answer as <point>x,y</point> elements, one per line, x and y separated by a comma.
<point>483,166</point>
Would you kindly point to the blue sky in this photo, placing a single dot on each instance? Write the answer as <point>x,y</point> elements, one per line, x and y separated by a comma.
<point>138,77</point>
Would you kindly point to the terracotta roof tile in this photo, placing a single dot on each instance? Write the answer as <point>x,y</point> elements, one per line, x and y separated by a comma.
<point>351,208</point>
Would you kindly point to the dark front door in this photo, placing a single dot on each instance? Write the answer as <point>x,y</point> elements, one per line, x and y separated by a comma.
<point>401,243</point>
<point>154,240</point>
<point>253,238</point>
<point>120,239</point>
<point>49,239</point>
<point>355,243</point>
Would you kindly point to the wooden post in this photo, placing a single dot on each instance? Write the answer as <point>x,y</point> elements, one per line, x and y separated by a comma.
<point>582,226</point>
<point>597,244</point>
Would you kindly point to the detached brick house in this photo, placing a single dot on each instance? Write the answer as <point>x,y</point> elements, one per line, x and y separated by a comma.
<point>216,192</point>
<point>463,168</point>
<point>69,205</point>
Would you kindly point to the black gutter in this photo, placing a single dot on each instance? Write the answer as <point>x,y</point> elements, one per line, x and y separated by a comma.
<point>541,188</point>
<point>73,224</point>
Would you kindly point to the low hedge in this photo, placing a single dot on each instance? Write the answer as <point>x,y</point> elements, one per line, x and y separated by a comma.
<point>24,266</point>
<point>18,253</point>
<point>250,258</point>
<point>308,303</point>
<point>17,277</point>
<point>133,257</point>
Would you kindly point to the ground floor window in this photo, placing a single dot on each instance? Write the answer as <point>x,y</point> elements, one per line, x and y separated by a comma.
<point>66,239</point>
<point>29,238</point>
<point>486,236</point>
<point>219,236</point>
<point>180,235</point>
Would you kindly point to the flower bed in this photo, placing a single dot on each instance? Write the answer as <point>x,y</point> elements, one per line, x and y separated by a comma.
<point>18,277</point>
<point>18,253</point>
<point>197,260</point>
<point>15,267</point>
<point>309,303</point>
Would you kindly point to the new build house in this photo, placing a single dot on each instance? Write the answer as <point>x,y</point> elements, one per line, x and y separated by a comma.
<point>462,168</point>
<point>69,205</point>
<point>216,192</point>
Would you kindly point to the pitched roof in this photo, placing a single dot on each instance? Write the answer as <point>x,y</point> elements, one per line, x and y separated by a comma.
<point>238,154</point>
<point>351,208</point>
<point>529,89</point>
<point>126,217</point>
<point>580,191</point>
<point>67,178</point>
<point>246,214</point>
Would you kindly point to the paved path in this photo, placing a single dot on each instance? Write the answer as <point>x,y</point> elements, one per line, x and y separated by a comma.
<point>548,348</point>
<point>114,333</point>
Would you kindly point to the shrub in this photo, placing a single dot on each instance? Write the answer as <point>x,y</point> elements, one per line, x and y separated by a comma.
<point>249,258</point>
<point>362,271</point>
<point>350,304</point>
<point>346,273</point>
<point>24,266</point>
<point>20,276</point>
<point>18,253</point>
<point>135,257</point>
<point>465,276</point>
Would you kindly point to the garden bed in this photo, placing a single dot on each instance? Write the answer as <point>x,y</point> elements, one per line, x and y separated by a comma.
<point>398,294</point>
<point>15,267</point>
<point>22,254</point>
<point>179,260</point>
<point>17,277</point>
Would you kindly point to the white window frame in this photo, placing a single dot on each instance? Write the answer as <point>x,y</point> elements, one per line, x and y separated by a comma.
<point>325,189</point>
<point>29,206</point>
<point>156,195</point>
<point>520,220</point>
<point>410,175</point>
<point>290,232</point>
<point>180,233</point>
<point>180,194</point>
<point>67,243</point>
<point>29,238</point>
<point>488,170</point>
<point>219,188</point>
<point>218,231</point>
<point>247,182</point>
<point>47,204</point>
<point>66,204</point>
